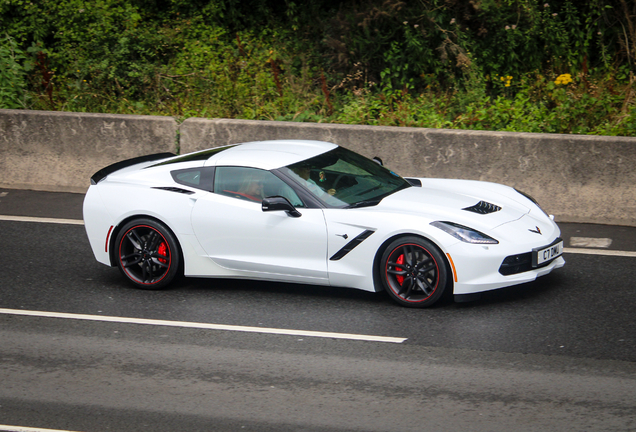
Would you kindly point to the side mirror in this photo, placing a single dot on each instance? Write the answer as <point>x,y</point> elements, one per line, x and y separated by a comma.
<point>378,161</point>
<point>278,203</point>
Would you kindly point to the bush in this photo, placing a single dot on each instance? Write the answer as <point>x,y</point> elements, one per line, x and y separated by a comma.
<point>13,75</point>
<point>476,64</point>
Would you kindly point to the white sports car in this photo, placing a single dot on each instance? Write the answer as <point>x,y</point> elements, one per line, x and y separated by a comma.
<point>315,213</point>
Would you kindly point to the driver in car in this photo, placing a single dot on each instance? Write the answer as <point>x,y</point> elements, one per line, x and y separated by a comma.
<point>304,172</point>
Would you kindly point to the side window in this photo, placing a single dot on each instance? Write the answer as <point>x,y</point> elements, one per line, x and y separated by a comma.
<point>252,184</point>
<point>200,178</point>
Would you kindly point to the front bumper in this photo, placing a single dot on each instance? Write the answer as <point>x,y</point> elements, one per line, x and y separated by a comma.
<point>496,280</point>
<point>480,268</point>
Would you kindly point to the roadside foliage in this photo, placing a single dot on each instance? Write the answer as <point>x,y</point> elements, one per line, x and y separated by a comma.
<point>561,66</point>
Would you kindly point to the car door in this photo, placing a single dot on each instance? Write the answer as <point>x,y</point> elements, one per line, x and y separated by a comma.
<point>234,231</point>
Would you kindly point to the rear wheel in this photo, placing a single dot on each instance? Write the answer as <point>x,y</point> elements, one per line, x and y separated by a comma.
<point>413,272</point>
<point>147,254</point>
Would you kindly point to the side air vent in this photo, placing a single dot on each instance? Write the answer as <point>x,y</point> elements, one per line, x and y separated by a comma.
<point>351,245</point>
<point>174,189</point>
<point>483,207</point>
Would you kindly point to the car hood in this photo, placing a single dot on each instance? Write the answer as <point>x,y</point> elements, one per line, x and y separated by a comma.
<point>446,200</point>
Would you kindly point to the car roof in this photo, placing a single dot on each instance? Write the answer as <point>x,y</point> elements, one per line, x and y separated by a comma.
<point>269,154</point>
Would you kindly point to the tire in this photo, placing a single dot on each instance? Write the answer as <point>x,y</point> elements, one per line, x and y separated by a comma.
<point>147,254</point>
<point>414,272</point>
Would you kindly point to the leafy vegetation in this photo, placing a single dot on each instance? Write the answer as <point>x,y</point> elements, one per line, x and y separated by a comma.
<point>560,66</point>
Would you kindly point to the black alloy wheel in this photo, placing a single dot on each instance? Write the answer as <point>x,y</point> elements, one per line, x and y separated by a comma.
<point>413,272</point>
<point>147,254</point>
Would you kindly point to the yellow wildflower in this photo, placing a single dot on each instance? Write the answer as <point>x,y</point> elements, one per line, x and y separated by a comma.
<point>563,79</point>
<point>507,79</point>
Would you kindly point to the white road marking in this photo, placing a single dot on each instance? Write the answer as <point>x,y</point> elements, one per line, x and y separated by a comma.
<point>575,250</point>
<point>584,251</point>
<point>590,242</point>
<point>27,429</point>
<point>206,326</point>
<point>41,220</point>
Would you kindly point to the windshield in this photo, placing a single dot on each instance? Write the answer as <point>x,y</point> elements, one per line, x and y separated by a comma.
<point>342,178</point>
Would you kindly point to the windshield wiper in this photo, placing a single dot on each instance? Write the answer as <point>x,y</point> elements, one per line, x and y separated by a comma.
<point>364,204</point>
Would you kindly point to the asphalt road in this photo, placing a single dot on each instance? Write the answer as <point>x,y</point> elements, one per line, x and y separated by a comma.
<point>555,354</point>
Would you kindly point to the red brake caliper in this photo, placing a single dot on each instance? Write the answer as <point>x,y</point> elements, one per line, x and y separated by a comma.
<point>163,249</point>
<point>400,260</point>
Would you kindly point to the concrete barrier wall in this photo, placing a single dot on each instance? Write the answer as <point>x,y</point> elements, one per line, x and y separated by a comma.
<point>58,151</point>
<point>575,177</point>
<point>578,178</point>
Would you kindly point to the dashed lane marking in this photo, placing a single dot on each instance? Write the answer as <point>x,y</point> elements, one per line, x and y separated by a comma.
<point>41,220</point>
<point>27,429</point>
<point>590,242</point>
<point>605,252</point>
<point>125,320</point>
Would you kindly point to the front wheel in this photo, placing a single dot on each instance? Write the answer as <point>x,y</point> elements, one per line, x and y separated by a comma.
<point>413,272</point>
<point>147,254</point>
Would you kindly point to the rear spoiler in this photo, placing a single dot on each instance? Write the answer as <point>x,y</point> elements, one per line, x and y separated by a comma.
<point>102,173</point>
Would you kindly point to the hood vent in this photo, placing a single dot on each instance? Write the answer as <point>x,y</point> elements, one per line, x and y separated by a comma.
<point>483,207</point>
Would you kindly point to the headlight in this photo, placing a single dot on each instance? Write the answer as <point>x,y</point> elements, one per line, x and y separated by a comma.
<point>464,234</point>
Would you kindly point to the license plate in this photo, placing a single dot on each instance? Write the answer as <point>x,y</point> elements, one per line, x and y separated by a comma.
<point>548,253</point>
